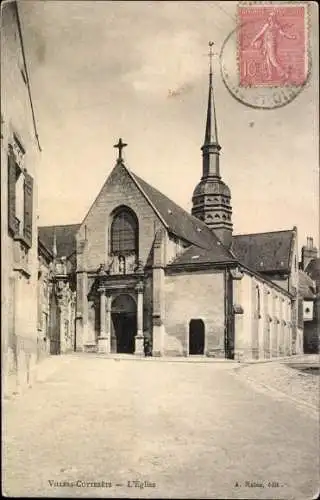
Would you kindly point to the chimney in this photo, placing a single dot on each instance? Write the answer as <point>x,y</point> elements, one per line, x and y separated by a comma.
<point>308,253</point>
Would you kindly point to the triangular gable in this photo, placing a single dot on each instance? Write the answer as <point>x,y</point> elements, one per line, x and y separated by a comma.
<point>174,218</point>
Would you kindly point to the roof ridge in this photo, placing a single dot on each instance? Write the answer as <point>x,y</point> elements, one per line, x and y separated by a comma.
<point>192,217</point>
<point>264,232</point>
<point>197,223</point>
<point>137,181</point>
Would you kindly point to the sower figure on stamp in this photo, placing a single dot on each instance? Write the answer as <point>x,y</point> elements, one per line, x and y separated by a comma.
<point>269,34</point>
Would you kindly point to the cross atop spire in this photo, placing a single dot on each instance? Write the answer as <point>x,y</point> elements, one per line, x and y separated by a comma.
<point>120,147</point>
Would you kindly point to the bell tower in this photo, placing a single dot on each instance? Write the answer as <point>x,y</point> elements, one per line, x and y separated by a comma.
<point>211,200</point>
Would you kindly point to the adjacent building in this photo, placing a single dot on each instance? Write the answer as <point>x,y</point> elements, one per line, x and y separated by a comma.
<point>309,293</point>
<point>20,154</point>
<point>56,289</point>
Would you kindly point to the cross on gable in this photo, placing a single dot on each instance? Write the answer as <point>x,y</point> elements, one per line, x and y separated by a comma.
<point>120,147</point>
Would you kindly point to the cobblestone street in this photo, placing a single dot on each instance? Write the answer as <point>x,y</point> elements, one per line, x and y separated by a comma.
<point>148,428</point>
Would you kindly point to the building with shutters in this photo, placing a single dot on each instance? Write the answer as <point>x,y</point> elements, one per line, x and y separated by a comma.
<point>20,153</point>
<point>154,279</point>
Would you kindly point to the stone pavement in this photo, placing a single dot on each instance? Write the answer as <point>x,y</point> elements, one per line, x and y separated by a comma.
<point>283,378</point>
<point>109,428</point>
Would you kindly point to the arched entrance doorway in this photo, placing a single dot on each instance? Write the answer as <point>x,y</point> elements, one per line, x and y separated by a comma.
<point>196,336</point>
<point>124,320</point>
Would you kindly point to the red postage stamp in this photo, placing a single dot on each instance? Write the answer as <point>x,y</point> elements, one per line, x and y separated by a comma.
<point>272,45</point>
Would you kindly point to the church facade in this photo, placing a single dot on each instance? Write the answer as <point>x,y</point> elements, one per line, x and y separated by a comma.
<point>153,279</point>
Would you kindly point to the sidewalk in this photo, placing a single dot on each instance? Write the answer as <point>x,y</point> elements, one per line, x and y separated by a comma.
<point>283,379</point>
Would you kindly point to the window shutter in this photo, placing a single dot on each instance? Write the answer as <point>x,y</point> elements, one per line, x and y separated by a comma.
<point>11,193</point>
<point>28,205</point>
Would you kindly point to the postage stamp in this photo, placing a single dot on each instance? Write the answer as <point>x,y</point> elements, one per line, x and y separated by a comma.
<point>272,47</point>
<point>265,61</point>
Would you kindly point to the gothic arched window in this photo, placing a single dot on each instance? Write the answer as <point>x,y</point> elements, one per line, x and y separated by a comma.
<point>124,233</point>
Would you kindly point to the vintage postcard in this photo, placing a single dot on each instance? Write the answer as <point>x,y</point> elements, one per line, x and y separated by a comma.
<point>160,243</point>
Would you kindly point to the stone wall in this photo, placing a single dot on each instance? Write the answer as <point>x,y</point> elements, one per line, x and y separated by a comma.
<point>263,323</point>
<point>119,189</point>
<point>196,295</point>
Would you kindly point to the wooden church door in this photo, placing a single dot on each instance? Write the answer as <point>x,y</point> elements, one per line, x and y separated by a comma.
<point>196,336</point>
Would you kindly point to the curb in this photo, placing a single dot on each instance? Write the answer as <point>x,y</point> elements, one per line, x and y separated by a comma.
<point>297,358</point>
<point>162,359</point>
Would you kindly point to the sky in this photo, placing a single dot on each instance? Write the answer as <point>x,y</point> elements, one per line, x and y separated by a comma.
<point>104,70</point>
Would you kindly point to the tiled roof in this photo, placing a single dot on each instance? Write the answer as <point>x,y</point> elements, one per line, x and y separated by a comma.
<point>178,221</point>
<point>65,238</point>
<point>217,254</point>
<point>306,286</point>
<point>263,252</point>
<point>313,269</point>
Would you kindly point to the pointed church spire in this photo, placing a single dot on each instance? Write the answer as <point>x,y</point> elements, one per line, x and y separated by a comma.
<point>211,147</point>
<point>211,198</point>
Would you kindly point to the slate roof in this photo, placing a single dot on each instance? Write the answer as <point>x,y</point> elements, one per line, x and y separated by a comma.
<point>264,252</point>
<point>306,286</point>
<point>65,238</point>
<point>178,221</point>
<point>313,269</point>
<point>194,255</point>
<point>43,250</point>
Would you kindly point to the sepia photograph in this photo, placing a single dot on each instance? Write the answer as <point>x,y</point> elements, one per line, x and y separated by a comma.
<point>160,241</point>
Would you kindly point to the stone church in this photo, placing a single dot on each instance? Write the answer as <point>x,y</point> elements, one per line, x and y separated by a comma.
<point>152,279</point>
